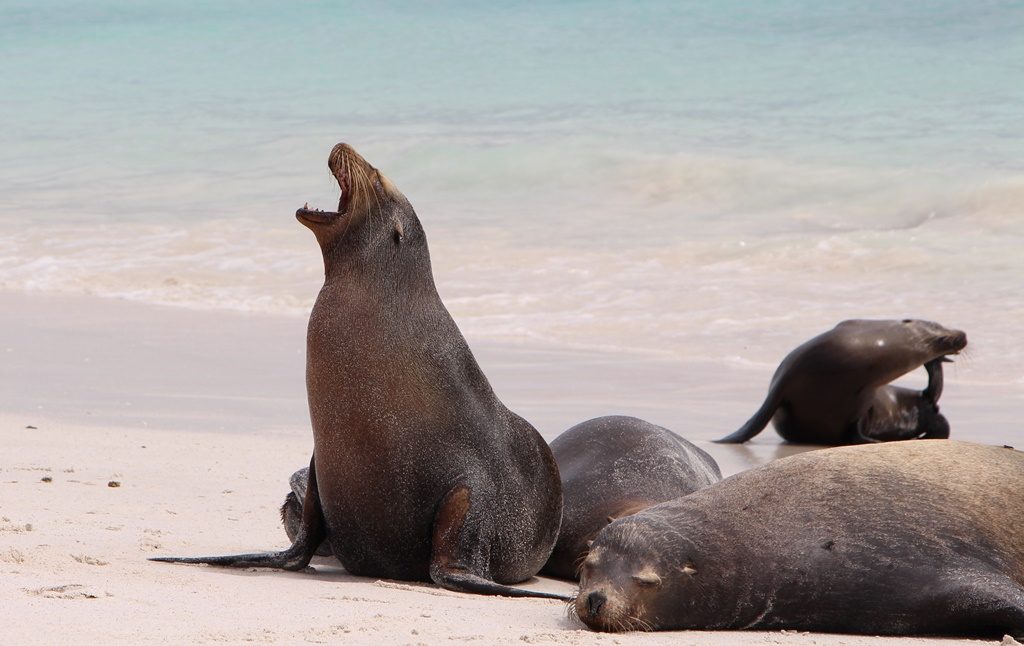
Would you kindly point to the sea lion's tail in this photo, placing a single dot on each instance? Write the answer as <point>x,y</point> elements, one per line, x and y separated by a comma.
<point>754,425</point>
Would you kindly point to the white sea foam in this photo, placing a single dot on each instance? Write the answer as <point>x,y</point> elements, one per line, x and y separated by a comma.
<point>705,298</point>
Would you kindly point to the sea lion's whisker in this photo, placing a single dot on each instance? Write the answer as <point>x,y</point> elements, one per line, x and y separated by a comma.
<point>368,181</point>
<point>578,563</point>
<point>570,606</point>
<point>373,211</point>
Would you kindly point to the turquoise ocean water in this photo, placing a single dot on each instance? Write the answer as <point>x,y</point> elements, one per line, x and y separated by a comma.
<point>698,179</point>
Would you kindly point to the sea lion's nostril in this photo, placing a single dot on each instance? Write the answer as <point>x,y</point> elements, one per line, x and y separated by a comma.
<point>595,601</point>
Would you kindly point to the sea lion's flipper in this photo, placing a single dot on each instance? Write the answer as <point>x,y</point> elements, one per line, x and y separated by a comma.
<point>458,541</point>
<point>756,423</point>
<point>462,581</point>
<point>312,532</point>
<point>934,389</point>
<point>937,428</point>
<point>291,510</point>
<point>994,604</point>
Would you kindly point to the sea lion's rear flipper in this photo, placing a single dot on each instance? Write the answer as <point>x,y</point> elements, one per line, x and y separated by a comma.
<point>291,510</point>
<point>933,391</point>
<point>458,551</point>
<point>312,532</point>
<point>756,423</point>
<point>936,428</point>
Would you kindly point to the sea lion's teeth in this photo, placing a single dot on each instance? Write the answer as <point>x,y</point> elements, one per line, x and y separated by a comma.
<point>306,206</point>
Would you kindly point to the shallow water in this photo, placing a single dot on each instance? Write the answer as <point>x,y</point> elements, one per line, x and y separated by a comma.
<point>696,180</point>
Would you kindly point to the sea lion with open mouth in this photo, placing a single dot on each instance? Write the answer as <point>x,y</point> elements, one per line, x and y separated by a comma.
<point>419,472</point>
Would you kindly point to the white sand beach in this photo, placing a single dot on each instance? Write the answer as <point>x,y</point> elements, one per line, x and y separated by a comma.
<point>132,431</point>
<point>632,208</point>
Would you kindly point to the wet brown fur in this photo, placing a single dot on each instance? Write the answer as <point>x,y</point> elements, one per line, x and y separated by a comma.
<point>419,472</point>
<point>826,390</point>
<point>615,466</point>
<point>917,537</point>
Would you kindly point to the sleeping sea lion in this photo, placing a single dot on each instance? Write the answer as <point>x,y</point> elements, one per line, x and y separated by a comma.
<point>615,466</point>
<point>906,538</point>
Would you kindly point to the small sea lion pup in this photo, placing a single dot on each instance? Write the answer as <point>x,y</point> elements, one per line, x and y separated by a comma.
<point>834,388</point>
<point>419,472</point>
<point>615,466</point>
<point>610,467</point>
<point>876,539</point>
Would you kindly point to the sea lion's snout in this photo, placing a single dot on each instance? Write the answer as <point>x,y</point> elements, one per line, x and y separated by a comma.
<point>943,340</point>
<point>618,586</point>
<point>958,340</point>
<point>606,608</point>
<point>592,607</point>
<point>949,342</point>
<point>339,150</point>
<point>595,601</point>
<point>343,155</point>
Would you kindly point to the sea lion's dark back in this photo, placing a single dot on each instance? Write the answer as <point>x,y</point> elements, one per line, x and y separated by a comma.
<point>615,465</point>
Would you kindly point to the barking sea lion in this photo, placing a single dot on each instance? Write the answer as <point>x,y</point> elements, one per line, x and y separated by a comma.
<point>419,472</point>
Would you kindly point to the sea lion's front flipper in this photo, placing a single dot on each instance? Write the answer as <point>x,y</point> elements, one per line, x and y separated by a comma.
<point>756,423</point>
<point>312,532</point>
<point>456,561</point>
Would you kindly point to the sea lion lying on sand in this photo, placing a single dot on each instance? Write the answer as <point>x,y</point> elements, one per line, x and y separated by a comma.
<point>907,538</point>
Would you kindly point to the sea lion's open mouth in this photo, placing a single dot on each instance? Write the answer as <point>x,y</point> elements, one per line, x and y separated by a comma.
<point>316,216</point>
<point>339,165</point>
